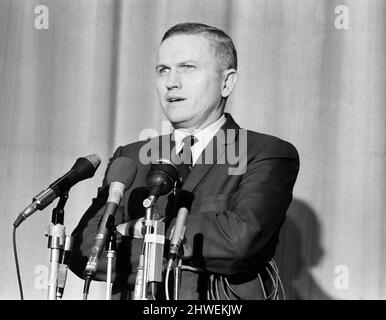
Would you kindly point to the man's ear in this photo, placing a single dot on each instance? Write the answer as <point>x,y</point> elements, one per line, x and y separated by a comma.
<point>230,79</point>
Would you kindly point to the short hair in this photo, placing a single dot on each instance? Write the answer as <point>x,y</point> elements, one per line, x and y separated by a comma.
<point>219,40</point>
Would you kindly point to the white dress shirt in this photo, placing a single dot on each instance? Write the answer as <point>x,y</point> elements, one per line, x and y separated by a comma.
<point>203,137</point>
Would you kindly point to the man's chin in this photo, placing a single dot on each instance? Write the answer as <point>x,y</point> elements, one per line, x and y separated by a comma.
<point>178,121</point>
<point>179,124</point>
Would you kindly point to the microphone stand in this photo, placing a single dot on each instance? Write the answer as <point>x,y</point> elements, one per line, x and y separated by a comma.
<point>110,251</point>
<point>56,241</point>
<point>151,259</point>
<point>149,205</point>
<point>177,278</point>
<point>63,267</point>
<point>175,265</point>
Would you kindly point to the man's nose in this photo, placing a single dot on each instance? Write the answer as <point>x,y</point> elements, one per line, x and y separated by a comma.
<point>173,80</point>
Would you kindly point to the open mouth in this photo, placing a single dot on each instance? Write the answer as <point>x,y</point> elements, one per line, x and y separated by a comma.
<point>174,99</point>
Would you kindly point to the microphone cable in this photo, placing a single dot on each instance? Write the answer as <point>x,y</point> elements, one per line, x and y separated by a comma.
<point>167,283</point>
<point>217,282</point>
<point>17,263</point>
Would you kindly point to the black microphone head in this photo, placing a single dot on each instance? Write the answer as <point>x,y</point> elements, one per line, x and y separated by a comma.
<point>85,167</point>
<point>185,199</point>
<point>161,177</point>
<point>94,159</point>
<point>122,170</point>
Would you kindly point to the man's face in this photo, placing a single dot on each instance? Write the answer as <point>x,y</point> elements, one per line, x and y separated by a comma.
<point>189,82</point>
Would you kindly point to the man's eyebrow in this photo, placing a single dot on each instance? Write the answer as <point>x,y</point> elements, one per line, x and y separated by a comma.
<point>186,62</point>
<point>158,66</point>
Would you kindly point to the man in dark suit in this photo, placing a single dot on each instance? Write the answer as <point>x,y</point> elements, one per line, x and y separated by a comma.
<point>242,181</point>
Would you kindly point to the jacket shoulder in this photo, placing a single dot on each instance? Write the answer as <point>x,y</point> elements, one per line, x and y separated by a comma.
<point>263,143</point>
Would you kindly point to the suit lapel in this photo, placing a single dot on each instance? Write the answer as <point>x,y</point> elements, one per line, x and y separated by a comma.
<point>216,147</point>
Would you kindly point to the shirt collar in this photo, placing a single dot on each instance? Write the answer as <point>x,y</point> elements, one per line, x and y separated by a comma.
<point>203,136</point>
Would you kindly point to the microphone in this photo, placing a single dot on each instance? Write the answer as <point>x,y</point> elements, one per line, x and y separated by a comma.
<point>184,203</point>
<point>120,177</point>
<point>83,168</point>
<point>160,180</point>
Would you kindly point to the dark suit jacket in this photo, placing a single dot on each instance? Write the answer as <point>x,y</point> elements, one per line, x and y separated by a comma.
<point>235,219</point>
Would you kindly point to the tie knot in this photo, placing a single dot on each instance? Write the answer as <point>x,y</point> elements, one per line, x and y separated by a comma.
<point>189,141</point>
<point>186,151</point>
<point>186,156</point>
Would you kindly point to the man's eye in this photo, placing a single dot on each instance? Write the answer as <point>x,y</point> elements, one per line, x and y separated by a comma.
<point>162,71</point>
<point>188,67</point>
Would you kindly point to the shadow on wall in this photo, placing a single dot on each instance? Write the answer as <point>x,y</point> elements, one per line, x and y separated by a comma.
<point>298,251</point>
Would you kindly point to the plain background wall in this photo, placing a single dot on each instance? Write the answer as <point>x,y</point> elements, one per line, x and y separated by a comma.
<point>87,85</point>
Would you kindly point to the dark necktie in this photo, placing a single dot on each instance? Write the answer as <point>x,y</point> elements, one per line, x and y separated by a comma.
<point>186,157</point>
